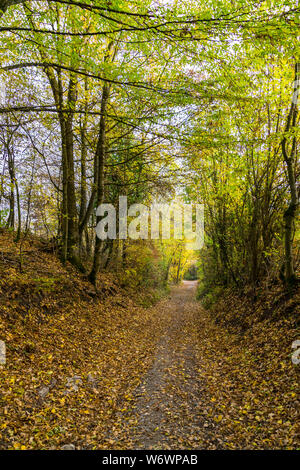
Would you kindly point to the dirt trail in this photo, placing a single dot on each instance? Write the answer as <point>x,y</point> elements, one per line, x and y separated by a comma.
<point>206,387</point>
<point>167,412</point>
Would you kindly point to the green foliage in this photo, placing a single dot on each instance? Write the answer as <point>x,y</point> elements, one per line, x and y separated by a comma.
<point>47,284</point>
<point>191,274</point>
<point>199,94</point>
<point>209,296</point>
<point>3,216</point>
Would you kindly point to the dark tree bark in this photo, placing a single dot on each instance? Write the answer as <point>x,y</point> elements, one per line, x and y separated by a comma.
<point>100,161</point>
<point>289,158</point>
<point>11,170</point>
<point>4,4</point>
<point>83,180</point>
<point>65,108</point>
<point>18,234</point>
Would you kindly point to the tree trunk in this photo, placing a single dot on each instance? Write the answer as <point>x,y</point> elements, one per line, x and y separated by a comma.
<point>83,181</point>
<point>289,158</point>
<point>18,235</point>
<point>100,159</point>
<point>11,169</point>
<point>65,109</point>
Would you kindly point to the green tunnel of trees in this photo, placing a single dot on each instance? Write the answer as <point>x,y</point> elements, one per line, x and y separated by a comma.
<point>154,100</point>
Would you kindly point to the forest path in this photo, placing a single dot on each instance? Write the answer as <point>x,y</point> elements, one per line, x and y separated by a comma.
<point>206,387</point>
<point>168,411</point>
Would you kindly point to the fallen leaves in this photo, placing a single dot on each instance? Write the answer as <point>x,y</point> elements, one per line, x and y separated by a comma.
<point>163,377</point>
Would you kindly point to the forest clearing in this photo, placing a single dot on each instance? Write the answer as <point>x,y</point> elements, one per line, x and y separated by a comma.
<point>149,226</point>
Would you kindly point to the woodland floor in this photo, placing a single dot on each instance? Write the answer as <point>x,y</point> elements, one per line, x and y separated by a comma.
<point>206,388</point>
<point>167,410</point>
<point>104,372</point>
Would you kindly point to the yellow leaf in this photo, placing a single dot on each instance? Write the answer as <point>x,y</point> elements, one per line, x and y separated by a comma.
<point>218,418</point>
